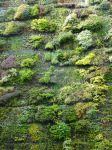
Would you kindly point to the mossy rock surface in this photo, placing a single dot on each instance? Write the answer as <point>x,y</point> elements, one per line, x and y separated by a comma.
<point>57,93</point>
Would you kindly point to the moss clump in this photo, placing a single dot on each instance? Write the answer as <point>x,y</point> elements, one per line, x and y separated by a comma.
<point>49,45</point>
<point>26,74</point>
<point>34,131</point>
<point>60,131</point>
<point>99,137</point>
<point>10,14</point>
<point>4,111</point>
<point>86,60</point>
<point>46,114</point>
<point>37,95</point>
<point>46,78</point>
<point>5,90</point>
<point>13,27</point>
<point>63,37</point>
<point>105,5</point>
<point>19,11</point>
<point>93,23</point>
<point>34,147</point>
<point>97,80</point>
<point>82,108</point>
<point>47,9</point>
<point>85,39</point>
<point>27,62</point>
<point>37,41</point>
<point>70,114</point>
<point>82,126</point>
<point>34,10</point>
<point>43,25</point>
<point>2,45</point>
<point>105,144</point>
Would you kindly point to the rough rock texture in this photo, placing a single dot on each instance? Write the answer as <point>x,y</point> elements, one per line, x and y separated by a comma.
<point>4,73</point>
<point>9,62</point>
<point>8,96</point>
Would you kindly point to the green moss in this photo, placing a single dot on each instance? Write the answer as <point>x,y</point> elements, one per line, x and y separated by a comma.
<point>67,28</point>
<point>63,37</point>
<point>60,131</point>
<point>79,50</point>
<point>13,27</point>
<point>2,57</point>
<point>49,45</point>
<point>108,77</point>
<point>34,147</point>
<point>43,25</point>
<point>34,10</point>
<point>86,60</point>
<point>20,11</point>
<point>47,114</point>
<point>46,78</point>
<point>70,114</point>
<point>10,13</point>
<point>2,45</point>
<point>97,80</point>
<point>4,112</point>
<point>105,144</point>
<point>34,131</point>
<point>105,5</point>
<point>40,95</point>
<point>47,9</point>
<point>82,126</point>
<point>47,56</point>
<point>27,62</point>
<point>26,74</point>
<point>93,23</point>
<point>20,58</point>
<point>37,41</point>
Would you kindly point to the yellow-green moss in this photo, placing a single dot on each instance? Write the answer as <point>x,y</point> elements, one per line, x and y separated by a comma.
<point>34,147</point>
<point>86,60</point>
<point>99,137</point>
<point>19,11</point>
<point>34,131</point>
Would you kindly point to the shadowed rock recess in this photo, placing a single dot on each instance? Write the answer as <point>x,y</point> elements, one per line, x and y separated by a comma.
<point>56,75</point>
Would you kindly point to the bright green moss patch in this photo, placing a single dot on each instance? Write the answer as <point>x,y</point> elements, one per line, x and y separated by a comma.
<point>49,46</point>
<point>35,10</point>
<point>34,131</point>
<point>43,25</point>
<point>26,74</point>
<point>27,62</point>
<point>37,41</point>
<point>86,60</point>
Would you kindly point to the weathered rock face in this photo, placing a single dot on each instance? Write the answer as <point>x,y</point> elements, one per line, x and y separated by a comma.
<point>9,62</point>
